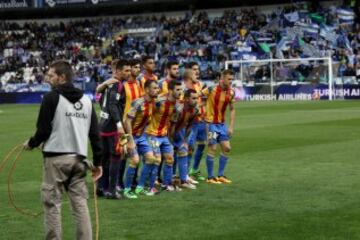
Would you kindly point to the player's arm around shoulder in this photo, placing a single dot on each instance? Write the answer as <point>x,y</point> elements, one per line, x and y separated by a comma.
<point>160,101</point>
<point>135,108</point>
<point>205,92</point>
<point>101,87</point>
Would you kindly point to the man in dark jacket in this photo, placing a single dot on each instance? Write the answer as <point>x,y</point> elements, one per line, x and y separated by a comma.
<point>66,120</point>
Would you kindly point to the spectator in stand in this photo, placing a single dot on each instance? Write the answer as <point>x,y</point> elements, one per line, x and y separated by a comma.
<point>202,38</point>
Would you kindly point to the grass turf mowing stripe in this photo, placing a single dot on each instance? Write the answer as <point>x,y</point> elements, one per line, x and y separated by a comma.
<point>294,167</point>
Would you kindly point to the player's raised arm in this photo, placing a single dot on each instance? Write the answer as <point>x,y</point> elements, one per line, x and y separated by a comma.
<point>101,88</point>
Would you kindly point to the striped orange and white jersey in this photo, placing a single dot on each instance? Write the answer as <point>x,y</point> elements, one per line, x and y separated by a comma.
<point>160,120</point>
<point>132,92</point>
<point>140,113</point>
<point>143,77</point>
<point>183,115</point>
<point>216,103</point>
<point>198,86</point>
<point>163,85</point>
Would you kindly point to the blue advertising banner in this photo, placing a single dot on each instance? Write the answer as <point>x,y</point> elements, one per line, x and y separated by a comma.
<point>29,97</point>
<point>11,4</point>
<point>23,97</point>
<point>296,92</point>
<point>24,87</point>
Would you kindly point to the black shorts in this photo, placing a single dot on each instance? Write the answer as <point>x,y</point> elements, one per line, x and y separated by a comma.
<point>109,146</point>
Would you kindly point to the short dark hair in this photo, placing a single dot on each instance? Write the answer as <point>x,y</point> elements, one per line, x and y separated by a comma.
<point>114,62</point>
<point>145,58</point>
<point>191,64</point>
<point>227,72</point>
<point>134,62</point>
<point>188,92</point>
<point>169,64</point>
<point>62,67</point>
<point>121,63</point>
<point>149,82</point>
<point>173,83</point>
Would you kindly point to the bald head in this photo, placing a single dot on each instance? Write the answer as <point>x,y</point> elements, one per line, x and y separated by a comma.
<point>190,76</point>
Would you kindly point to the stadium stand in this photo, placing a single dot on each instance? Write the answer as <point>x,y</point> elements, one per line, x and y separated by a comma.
<point>292,31</point>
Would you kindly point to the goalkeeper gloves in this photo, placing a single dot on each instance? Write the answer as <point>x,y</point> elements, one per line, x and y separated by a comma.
<point>121,144</point>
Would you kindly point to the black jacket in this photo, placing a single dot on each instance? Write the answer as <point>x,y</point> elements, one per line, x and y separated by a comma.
<point>47,113</point>
<point>112,107</point>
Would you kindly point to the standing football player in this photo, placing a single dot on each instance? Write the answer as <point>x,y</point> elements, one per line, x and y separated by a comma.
<point>158,131</point>
<point>136,121</point>
<point>219,97</point>
<point>198,136</point>
<point>185,114</point>
<point>111,127</point>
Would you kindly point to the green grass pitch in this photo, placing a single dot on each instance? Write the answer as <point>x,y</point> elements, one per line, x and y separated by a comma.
<point>295,168</point>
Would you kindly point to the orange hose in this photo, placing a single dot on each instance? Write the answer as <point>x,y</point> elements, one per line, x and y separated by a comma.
<point>97,222</point>
<point>7,157</point>
<point>28,212</point>
<point>20,210</point>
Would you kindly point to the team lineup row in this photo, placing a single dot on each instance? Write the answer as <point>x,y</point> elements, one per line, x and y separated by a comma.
<point>163,122</point>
